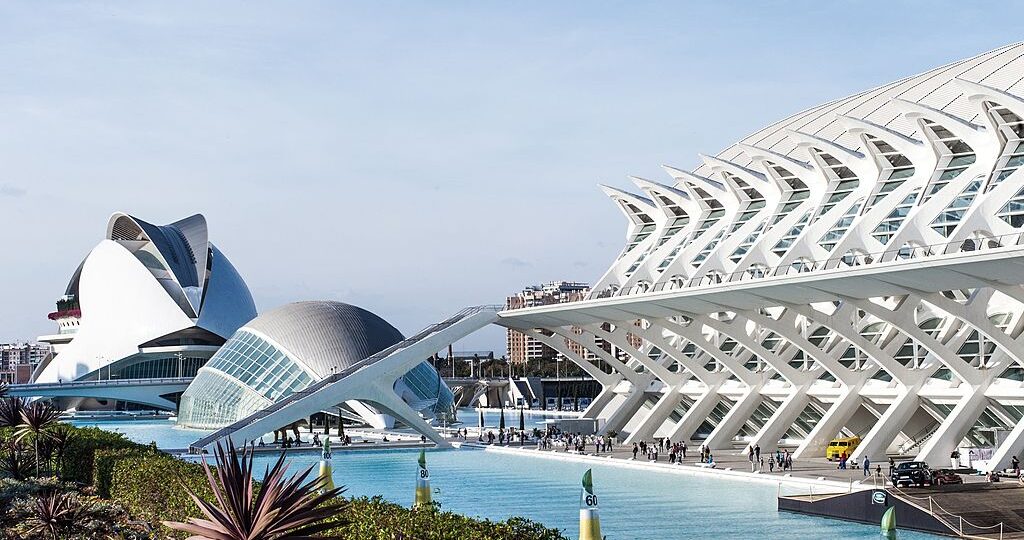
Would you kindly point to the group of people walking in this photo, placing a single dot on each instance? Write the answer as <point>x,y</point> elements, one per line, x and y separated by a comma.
<point>781,460</point>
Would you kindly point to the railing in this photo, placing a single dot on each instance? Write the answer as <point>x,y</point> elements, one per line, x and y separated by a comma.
<point>335,377</point>
<point>919,438</point>
<point>955,522</point>
<point>803,266</point>
<point>104,382</point>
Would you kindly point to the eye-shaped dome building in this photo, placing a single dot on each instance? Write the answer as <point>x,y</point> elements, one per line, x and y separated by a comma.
<point>285,350</point>
<point>150,301</point>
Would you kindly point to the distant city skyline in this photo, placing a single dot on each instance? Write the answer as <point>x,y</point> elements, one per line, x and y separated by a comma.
<point>417,158</point>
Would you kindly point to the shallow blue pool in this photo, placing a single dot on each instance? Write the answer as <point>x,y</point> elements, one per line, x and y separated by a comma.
<point>635,504</point>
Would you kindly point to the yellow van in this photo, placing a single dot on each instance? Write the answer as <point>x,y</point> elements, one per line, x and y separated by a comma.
<point>841,445</point>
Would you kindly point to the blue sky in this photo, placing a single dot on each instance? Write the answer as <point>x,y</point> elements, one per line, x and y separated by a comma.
<point>410,158</point>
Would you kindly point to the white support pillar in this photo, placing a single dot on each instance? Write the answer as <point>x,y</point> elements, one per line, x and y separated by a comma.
<point>889,425</point>
<point>831,422</point>
<point>604,397</point>
<point>952,430</point>
<point>626,410</point>
<point>654,418</point>
<point>1012,446</point>
<point>695,415</point>
<point>722,435</point>
<point>780,422</point>
<point>387,399</point>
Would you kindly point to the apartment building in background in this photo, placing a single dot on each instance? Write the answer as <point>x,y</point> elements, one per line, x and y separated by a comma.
<point>18,360</point>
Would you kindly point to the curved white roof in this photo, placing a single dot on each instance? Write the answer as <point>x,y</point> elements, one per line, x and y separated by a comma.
<point>323,335</point>
<point>937,88</point>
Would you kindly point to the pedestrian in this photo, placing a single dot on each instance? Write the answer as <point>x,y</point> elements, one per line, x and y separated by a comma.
<point>867,466</point>
<point>771,464</point>
<point>635,450</point>
<point>757,452</point>
<point>1015,465</point>
<point>684,449</point>
<point>892,466</point>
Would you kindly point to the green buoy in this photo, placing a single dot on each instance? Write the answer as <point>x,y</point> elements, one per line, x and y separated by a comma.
<point>889,521</point>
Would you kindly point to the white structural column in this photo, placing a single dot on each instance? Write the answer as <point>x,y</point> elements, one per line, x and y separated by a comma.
<point>672,397</point>
<point>627,408</point>
<point>608,380</point>
<point>955,426</point>
<point>889,425</point>
<point>782,419</point>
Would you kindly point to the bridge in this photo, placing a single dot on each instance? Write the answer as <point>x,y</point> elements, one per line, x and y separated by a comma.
<point>370,380</point>
<point>144,391</point>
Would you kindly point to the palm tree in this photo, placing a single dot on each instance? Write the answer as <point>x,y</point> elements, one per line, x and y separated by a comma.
<point>10,411</point>
<point>36,420</point>
<point>3,389</point>
<point>286,508</point>
<point>60,436</point>
<point>15,461</point>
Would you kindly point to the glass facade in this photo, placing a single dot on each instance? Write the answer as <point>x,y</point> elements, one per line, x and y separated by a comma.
<point>424,381</point>
<point>246,374</point>
<point>249,373</point>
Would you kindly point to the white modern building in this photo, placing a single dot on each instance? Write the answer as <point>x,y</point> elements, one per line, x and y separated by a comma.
<point>289,349</point>
<point>852,270</point>
<point>148,302</point>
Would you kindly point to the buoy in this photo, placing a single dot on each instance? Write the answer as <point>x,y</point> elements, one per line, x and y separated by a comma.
<point>422,483</point>
<point>325,466</point>
<point>889,520</point>
<point>590,522</point>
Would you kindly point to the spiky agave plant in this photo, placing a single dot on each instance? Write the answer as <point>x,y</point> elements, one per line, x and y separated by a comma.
<point>15,460</point>
<point>59,513</point>
<point>10,411</point>
<point>286,508</point>
<point>36,420</point>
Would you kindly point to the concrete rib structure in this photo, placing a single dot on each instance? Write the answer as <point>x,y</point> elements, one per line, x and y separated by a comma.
<point>853,270</point>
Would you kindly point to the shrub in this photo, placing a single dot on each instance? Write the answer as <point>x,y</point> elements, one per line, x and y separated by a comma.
<point>377,519</point>
<point>80,453</point>
<point>149,486</point>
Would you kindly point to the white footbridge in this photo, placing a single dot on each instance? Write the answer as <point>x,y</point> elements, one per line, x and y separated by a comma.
<point>370,380</point>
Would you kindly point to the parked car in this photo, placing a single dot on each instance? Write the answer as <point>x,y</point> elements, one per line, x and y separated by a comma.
<point>943,477</point>
<point>912,473</point>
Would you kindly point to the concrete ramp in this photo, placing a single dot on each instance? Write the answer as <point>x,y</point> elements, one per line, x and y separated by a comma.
<point>370,380</point>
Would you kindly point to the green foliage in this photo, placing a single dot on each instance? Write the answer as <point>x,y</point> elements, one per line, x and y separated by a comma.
<point>80,454</point>
<point>377,519</point>
<point>44,509</point>
<point>138,487</point>
<point>149,485</point>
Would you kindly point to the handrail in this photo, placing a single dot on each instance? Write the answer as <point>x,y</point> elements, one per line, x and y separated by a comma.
<point>335,377</point>
<point>959,527</point>
<point>104,382</point>
<point>803,266</point>
<point>919,438</point>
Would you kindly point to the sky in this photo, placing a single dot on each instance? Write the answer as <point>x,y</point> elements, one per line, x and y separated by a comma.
<point>411,158</point>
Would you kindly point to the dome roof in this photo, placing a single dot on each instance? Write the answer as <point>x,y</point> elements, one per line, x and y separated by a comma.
<point>324,334</point>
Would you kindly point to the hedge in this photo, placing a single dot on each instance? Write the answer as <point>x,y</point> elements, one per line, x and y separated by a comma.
<point>377,519</point>
<point>149,484</point>
<point>80,453</point>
